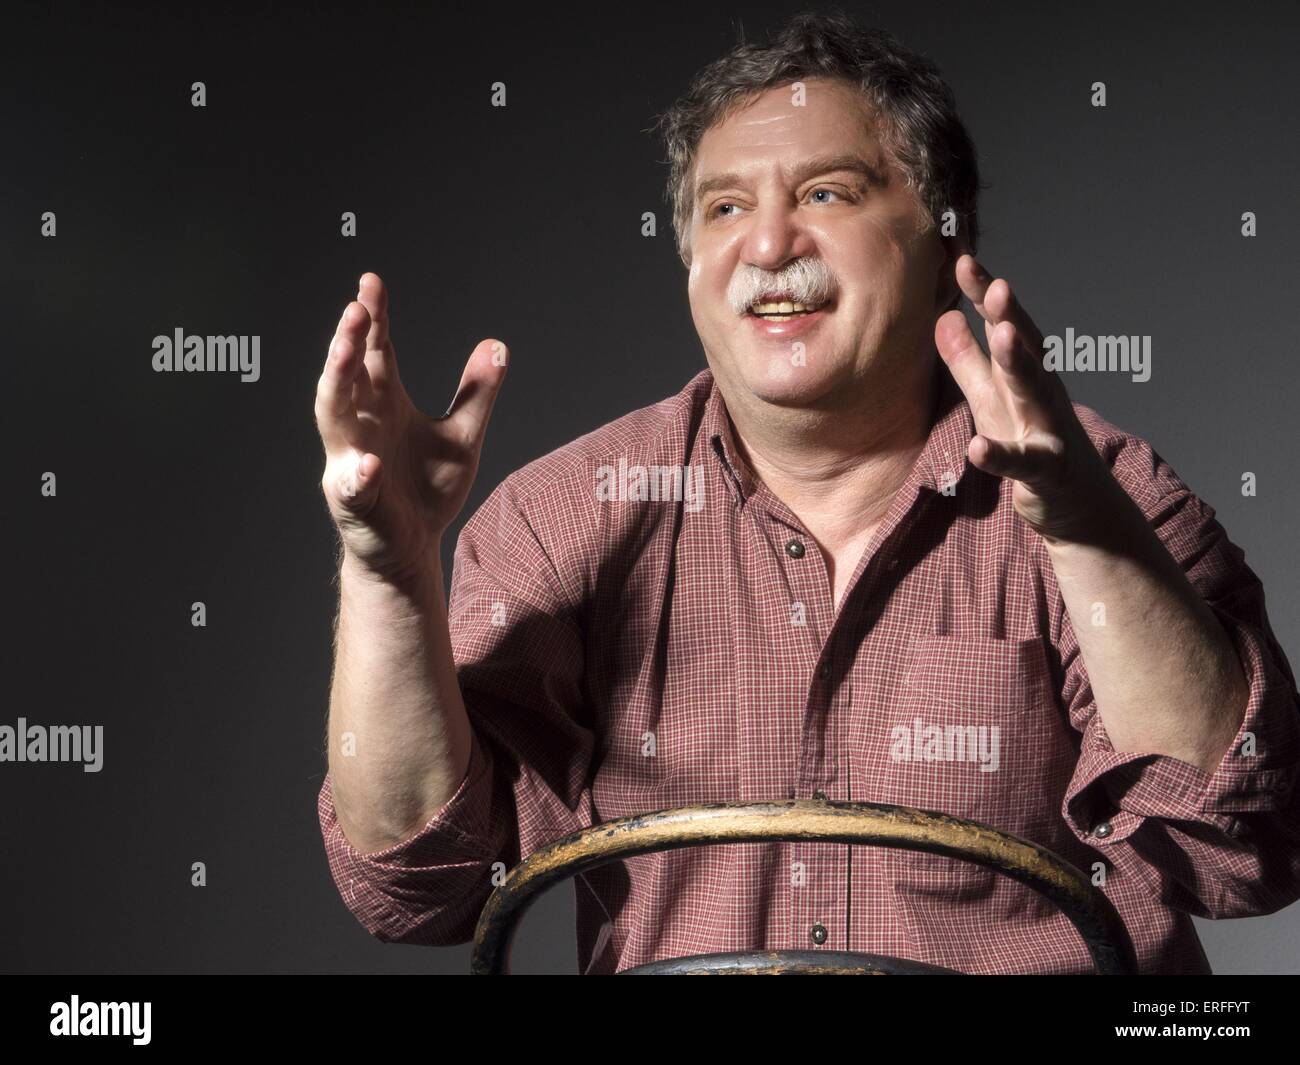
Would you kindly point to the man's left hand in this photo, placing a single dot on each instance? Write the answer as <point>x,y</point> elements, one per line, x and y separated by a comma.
<point>1026,428</point>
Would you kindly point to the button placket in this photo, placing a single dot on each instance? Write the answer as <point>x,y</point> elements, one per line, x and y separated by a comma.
<point>814,899</point>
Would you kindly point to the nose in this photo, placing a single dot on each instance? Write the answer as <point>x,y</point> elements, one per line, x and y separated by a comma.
<point>775,237</point>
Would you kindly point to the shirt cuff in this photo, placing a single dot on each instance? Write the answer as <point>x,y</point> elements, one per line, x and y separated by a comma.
<point>1111,793</point>
<point>457,833</point>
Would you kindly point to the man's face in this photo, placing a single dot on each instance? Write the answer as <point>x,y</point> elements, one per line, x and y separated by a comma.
<point>784,187</point>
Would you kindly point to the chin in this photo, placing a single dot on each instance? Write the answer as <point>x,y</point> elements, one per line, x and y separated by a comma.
<point>777,381</point>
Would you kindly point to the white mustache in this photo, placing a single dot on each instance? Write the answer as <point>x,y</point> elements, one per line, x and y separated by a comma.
<point>803,281</point>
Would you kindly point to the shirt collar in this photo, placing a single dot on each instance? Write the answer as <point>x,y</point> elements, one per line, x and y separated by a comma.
<point>942,460</point>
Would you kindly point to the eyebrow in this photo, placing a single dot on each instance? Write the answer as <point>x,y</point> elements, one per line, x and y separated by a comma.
<point>819,164</point>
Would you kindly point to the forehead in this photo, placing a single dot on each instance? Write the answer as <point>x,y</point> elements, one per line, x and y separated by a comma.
<point>778,129</point>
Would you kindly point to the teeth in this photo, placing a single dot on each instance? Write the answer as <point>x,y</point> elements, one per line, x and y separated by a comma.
<point>784,307</point>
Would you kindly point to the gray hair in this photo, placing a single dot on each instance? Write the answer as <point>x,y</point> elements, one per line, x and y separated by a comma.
<point>915,109</point>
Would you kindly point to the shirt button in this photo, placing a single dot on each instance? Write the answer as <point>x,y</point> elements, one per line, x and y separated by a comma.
<point>819,794</point>
<point>794,548</point>
<point>824,671</point>
<point>1102,830</point>
<point>818,934</point>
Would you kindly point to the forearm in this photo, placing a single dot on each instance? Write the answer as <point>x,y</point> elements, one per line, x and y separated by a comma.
<point>399,737</point>
<point>1164,672</point>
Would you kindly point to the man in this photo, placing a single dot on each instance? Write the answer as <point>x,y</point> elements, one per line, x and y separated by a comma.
<point>875,536</point>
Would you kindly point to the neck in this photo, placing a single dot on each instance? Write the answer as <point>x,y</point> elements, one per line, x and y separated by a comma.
<point>837,469</point>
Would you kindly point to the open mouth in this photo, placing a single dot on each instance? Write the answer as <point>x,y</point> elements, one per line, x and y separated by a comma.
<point>783,310</point>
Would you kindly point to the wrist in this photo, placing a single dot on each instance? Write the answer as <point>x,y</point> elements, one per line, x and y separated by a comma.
<point>1108,519</point>
<point>1119,541</point>
<point>419,582</point>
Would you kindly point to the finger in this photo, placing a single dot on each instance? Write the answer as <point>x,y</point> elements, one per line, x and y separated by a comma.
<point>373,293</point>
<point>1020,376</point>
<point>336,416</point>
<point>1037,463</point>
<point>363,392</point>
<point>1003,305</point>
<point>974,281</point>
<point>1031,390</point>
<point>995,301</point>
<point>381,359</point>
<point>479,386</point>
<point>963,355</point>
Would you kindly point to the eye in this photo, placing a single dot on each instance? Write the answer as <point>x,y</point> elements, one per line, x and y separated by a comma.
<point>718,207</point>
<point>833,192</point>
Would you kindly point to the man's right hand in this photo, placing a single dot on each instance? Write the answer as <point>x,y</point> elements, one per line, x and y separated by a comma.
<point>395,478</point>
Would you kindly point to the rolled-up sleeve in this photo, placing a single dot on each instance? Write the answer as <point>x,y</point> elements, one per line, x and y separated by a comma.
<point>1216,845</point>
<point>519,659</point>
<point>430,887</point>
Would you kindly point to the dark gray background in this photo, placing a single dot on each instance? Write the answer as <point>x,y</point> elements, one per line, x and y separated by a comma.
<point>521,223</point>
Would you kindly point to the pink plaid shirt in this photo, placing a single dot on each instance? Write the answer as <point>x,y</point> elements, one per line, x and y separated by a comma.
<point>620,655</point>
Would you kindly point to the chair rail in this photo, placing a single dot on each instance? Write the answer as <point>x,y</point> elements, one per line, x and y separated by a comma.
<point>860,823</point>
<point>789,963</point>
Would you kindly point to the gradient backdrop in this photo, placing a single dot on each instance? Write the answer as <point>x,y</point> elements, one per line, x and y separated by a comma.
<point>523,223</point>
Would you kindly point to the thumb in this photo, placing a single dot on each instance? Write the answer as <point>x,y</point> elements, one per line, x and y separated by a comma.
<point>358,485</point>
<point>479,387</point>
<point>961,352</point>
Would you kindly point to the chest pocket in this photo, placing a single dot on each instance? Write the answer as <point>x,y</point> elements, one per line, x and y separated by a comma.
<point>969,726</point>
<point>973,730</point>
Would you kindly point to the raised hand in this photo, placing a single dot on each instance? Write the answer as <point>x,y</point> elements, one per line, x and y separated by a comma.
<point>395,478</point>
<point>1026,427</point>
